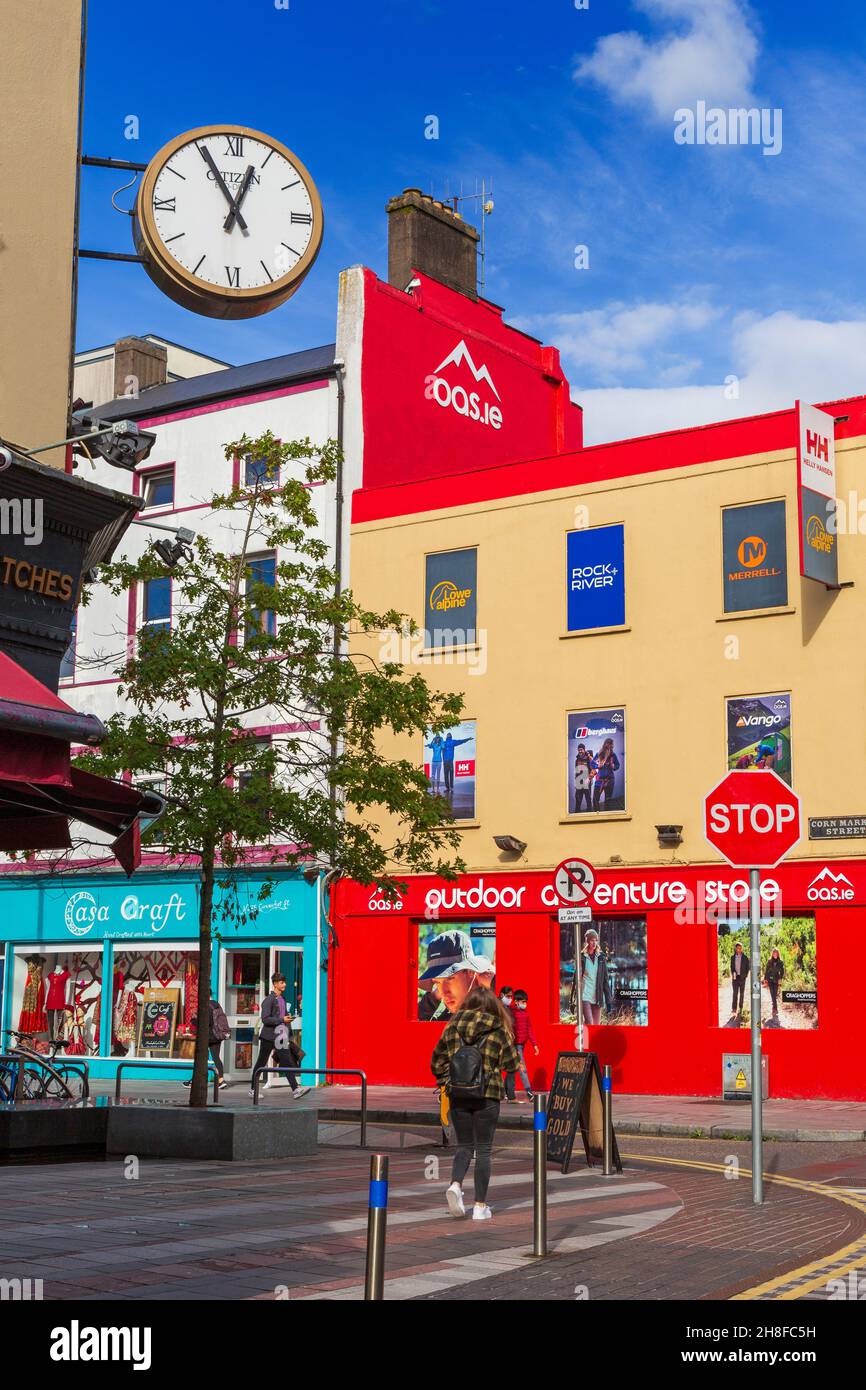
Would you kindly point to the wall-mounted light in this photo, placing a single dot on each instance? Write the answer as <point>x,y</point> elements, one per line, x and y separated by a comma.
<point>671,835</point>
<point>509,844</point>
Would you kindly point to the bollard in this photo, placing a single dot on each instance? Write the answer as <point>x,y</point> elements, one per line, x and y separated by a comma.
<point>539,1145</point>
<point>607,1116</point>
<point>374,1278</point>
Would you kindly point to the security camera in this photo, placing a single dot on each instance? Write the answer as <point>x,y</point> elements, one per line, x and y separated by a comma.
<point>7,458</point>
<point>125,446</point>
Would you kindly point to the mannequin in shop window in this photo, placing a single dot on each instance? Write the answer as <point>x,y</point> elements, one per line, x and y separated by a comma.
<point>32,1018</point>
<point>55,1004</point>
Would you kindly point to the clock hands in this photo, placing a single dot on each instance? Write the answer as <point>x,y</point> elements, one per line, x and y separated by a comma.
<point>209,159</point>
<point>235,210</point>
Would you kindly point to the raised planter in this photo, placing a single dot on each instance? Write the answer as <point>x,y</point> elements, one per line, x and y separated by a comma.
<point>33,1129</point>
<point>217,1132</point>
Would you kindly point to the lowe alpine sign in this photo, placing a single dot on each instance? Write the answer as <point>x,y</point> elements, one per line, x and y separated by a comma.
<point>816,494</point>
<point>753,819</point>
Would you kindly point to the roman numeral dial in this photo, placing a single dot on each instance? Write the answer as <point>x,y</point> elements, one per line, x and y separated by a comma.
<point>228,221</point>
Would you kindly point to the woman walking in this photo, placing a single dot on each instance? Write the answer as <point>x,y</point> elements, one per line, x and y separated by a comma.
<point>475,1048</point>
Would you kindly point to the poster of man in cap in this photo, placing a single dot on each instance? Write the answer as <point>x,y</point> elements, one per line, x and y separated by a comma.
<point>451,962</point>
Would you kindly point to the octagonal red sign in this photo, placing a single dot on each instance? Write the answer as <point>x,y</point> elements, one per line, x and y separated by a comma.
<point>752,819</point>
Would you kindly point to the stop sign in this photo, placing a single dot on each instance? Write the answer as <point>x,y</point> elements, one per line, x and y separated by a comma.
<point>752,819</point>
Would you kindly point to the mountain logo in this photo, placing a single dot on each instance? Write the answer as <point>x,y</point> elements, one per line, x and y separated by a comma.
<point>457,398</point>
<point>827,887</point>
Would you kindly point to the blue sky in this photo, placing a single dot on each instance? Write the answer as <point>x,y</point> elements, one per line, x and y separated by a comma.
<point>705,263</point>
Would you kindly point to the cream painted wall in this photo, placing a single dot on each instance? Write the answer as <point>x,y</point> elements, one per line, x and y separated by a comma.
<point>672,669</point>
<point>39,123</point>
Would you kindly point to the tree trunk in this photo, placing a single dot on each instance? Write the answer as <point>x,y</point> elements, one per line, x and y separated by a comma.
<point>201,1080</point>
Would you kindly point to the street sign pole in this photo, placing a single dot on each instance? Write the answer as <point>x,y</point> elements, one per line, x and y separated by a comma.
<point>757,1077</point>
<point>577,944</point>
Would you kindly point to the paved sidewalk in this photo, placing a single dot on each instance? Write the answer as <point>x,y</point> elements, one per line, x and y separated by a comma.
<point>690,1116</point>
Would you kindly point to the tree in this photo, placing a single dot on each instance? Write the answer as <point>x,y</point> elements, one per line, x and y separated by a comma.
<point>269,644</point>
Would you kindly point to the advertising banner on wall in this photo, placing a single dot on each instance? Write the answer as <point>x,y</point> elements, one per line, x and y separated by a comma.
<point>595,578</point>
<point>759,734</point>
<point>789,976</point>
<point>452,958</point>
<point>596,761</point>
<point>451,598</point>
<point>754,557</point>
<point>816,494</point>
<point>449,766</point>
<point>611,985</point>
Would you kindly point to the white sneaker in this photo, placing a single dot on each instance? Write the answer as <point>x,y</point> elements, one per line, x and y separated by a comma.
<point>300,1091</point>
<point>482,1214</point>
<point>454,1198</point>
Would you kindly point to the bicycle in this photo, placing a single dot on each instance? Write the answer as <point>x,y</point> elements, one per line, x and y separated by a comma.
<point>52,1079</point>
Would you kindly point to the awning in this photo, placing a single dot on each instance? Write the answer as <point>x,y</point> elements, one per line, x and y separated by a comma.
<point>40,792</point>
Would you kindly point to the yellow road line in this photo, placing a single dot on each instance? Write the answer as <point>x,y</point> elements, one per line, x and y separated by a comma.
<point>841,1262</point>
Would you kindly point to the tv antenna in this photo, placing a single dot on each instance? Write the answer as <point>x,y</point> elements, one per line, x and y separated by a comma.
<point>484,196</point>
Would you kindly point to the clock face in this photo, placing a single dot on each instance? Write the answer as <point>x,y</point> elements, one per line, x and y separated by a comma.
<point>229,221</point>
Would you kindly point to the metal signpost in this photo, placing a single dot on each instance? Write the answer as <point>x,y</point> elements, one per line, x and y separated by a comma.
<point>573,883</point>
<point>753,819</point>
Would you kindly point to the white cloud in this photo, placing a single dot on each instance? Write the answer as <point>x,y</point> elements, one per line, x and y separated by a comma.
<point>623,338</point>
<point>710,54</point>
<point>775,360</point>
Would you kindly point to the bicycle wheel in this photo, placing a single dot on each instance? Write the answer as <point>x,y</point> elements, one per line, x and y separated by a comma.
<point>62,1083</point>
<point>32,1084</point>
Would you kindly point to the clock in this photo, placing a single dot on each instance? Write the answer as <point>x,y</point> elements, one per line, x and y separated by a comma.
<point>228,221</point>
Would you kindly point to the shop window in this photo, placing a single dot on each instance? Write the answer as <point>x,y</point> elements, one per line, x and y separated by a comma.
<point>159,488</point>
<point>262,569</point>
<point>57,996</point>
<point>156,605</point>
<point>452,957</point>
<point>67,665</point>
<point>154,1002</point>
<point>788,970</point>
<point>603,972</point>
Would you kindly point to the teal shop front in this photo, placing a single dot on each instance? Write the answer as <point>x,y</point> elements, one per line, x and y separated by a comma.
<point>83,954</point>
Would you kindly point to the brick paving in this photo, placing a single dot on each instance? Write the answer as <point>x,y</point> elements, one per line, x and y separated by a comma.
<point>683,1116</point>
<point>297,1228</point>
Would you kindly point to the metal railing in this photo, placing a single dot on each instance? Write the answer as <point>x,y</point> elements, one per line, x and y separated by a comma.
<point>168,1065</point>
<point>318,1071</point>
<point>19,1062</point>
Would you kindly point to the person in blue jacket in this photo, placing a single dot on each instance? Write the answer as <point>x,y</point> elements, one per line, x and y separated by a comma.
<point>436,747</point>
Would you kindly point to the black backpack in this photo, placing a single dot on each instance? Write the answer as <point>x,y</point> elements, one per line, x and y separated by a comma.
<point>466,1074</point>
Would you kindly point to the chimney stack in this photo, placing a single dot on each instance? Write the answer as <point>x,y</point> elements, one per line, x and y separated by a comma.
<point>137,365</point>
<point>427,235</point>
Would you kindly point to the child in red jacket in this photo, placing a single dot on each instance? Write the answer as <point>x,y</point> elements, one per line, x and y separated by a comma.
<point>523,1034</point>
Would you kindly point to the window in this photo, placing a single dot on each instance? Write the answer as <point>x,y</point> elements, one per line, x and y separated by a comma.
<point>67,665</point>
<point>159,488</point>
<point>754,557</point>
<point>262,569</point>
<point>255,787</point>
<point>155,1000</point>
<point>258,471</point>
<point>451,599</point>
<point>156,611</point>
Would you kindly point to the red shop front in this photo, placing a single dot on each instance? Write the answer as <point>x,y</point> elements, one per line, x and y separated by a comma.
<point>668,937</point>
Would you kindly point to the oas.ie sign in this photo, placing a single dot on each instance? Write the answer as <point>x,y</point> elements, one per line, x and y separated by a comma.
<point>752,819</point>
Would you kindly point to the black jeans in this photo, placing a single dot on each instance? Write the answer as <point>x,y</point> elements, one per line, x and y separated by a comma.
<point>475,1125</point>
<point>580,793</point>
<point>774,994</point>
<point>264,1060</point>
<point>217,1059</point>
<point>738,987</point>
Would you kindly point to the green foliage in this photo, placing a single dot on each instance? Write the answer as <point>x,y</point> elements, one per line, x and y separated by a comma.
<point>242,653</point>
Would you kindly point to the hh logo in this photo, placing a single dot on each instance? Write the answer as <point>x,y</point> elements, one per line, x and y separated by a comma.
<point>752,551</point>
<point>818,445</point>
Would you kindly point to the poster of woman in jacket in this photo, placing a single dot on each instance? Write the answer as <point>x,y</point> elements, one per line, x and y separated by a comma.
<point>788,970</point>
<point>449,766</point>
<point>608,983</point>
<point>596,762</point>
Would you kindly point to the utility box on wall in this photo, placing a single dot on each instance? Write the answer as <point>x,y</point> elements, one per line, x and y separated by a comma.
<point>737,1076</point>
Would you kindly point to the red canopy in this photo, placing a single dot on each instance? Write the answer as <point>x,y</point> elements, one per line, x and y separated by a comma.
<point>40,792</point>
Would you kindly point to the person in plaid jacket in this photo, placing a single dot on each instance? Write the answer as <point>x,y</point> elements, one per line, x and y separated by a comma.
<point>484,1023</point>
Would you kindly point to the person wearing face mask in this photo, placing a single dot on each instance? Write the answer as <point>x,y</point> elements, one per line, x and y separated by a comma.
<point>523,1034</point>
<point>506,999</point>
